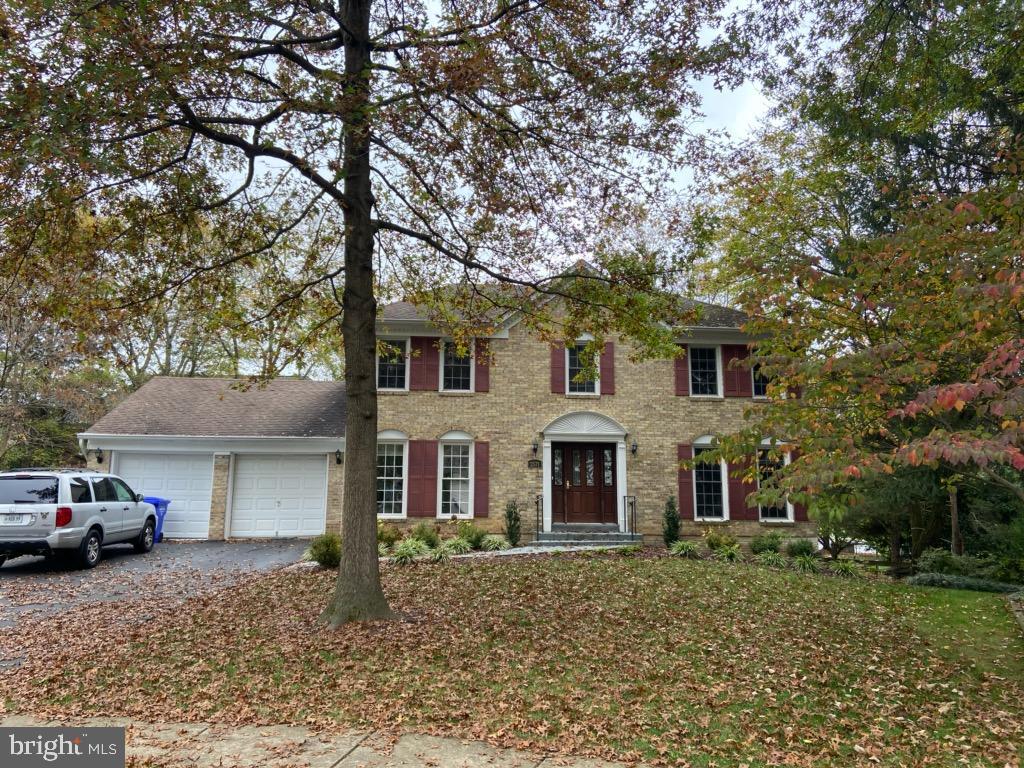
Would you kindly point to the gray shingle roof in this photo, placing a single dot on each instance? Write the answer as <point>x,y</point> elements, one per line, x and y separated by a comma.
<point>709,315</point>
<point>211,407</point>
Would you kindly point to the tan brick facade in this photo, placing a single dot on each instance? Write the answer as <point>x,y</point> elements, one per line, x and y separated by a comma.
<point>520,404</point>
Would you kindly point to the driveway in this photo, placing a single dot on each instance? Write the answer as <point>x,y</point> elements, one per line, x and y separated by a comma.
<point>34,586</point>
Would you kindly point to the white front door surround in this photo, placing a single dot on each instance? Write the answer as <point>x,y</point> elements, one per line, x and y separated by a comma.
<point>586,427</point>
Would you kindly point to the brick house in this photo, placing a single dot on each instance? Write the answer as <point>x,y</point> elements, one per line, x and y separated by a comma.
<point>459,438</point>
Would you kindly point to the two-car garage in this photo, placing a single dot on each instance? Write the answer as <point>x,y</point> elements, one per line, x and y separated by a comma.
<point>235,460</point>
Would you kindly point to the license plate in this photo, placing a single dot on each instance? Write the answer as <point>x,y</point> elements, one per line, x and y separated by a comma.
<point>15,519</point>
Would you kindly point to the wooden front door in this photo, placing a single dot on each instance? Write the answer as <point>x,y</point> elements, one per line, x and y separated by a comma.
<point>583,483</point>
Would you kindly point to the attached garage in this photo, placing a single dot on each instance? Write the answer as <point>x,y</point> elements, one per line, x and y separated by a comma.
<point>236,458</point>
<point>279,496</point>
<point>184,478</point>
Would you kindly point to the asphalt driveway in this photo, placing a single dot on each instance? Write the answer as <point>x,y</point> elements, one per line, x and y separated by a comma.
<point>36,587</point>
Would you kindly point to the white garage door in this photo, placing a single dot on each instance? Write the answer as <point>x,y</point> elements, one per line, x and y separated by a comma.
<point>184,478</point>
<point>279,496</point>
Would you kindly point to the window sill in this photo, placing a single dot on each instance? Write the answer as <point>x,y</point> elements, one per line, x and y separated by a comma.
<point>392,391</point>
<point>707,397</point>
<point>710,520</point>
<point>456,393</point>
<point>584,395</point>
<point>769,521</point>
<point>454,517</point>
<point>391,517</point>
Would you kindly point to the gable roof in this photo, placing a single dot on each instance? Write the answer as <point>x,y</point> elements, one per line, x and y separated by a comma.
<point>217,407</point>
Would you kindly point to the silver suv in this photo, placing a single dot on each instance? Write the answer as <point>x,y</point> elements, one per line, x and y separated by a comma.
<point>72,512</point>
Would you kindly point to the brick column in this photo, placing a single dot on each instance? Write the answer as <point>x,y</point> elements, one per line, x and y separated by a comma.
<point>219,498</point>
<point>335,493</point>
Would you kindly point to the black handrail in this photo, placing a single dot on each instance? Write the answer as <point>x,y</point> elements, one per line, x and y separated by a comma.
<point>539,503</point>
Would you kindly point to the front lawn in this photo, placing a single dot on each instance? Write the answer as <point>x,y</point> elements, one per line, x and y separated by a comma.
<point>699,663</point>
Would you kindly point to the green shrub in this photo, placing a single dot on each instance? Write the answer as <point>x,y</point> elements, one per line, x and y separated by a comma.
<point>950,581</point>
<point>457,546</point>
<point>408,550</point>
<point>387,533</point>
<point>427,533</point>
<point>766,542</point>
<point>714,540</point>
<point>806,563</point>
<point>383,550</point>
<point>325,549</point>
<point>513,523</point>
<point>494,542</point>
<point>670,522</point>
<point>686,549</point>
<point>845,568</point>
<point>729,553</point>
<point>994,567</point>
<point>440,555</point>
<point>471,533</point>
<point>799,547</point>
<point>631,550</point>
<point>772,559</point>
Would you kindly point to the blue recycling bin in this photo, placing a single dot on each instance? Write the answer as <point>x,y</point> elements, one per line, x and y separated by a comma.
<point>161,511</point>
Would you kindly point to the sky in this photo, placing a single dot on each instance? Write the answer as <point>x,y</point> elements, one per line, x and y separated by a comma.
<point>739,112</point>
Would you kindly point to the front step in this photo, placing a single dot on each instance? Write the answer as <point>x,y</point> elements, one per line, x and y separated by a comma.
<point>586,538</point>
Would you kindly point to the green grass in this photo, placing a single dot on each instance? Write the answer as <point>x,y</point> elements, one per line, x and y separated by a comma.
<point>663,660</point>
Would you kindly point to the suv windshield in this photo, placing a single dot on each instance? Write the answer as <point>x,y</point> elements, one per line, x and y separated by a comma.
<point>28,490</point>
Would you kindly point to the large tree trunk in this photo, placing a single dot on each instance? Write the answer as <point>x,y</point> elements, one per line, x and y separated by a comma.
<point>358,595</point>
<point>956,540</point>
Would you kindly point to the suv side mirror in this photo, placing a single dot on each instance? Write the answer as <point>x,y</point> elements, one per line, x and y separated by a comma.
<point>139,497</point>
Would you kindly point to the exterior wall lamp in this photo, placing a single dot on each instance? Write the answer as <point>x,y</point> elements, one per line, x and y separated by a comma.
<point>337,456</point>
<point>99,455</point>
<point>535,446</point>
<point>633,447</point>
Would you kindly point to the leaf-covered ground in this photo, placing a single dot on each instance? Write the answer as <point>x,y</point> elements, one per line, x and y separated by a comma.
<point>656,659</point>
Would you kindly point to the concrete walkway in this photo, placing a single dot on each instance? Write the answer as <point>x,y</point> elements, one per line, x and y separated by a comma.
<point>201,745</point>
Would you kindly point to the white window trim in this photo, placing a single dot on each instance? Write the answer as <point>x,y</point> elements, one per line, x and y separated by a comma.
<point>472,369</point>
<point>705,442</point>
<point>407,341</point>
<point>720,384</point>
<point>405,478</point>
<point>790,512</point>
<point>597,367</point>
<point>440,478</point>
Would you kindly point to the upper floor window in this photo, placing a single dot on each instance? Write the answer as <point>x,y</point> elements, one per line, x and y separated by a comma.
<point>392,364</point>
<point>760,382</point>
<point>456,369</point>
<point>578,380</point>
<point>704,372</point>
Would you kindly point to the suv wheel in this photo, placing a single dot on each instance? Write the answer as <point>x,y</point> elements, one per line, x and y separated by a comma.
<point>144,542</point>
<point>89,552</point>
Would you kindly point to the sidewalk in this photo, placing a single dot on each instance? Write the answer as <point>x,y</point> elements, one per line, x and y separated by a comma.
<point>201,745</point>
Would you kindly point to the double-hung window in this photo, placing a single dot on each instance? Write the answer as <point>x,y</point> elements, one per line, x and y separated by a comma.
<point>704,372</point>
<point>768,465</point>
<point>392,364</point>
<point>391,479</point>
<point>456,369</point>
<point>760,382</point>
<point>578,380</point>
<point>456,482</point>
<point>708,487</point>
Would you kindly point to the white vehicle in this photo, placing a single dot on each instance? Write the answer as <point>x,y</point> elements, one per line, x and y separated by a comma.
<point>72,512</point>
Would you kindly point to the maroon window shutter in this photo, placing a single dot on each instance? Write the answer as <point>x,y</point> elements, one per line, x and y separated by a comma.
<point>684,452</point>
<point>683,373</point>
<point>482,363</point>
<point>422,479</point>
<point>608,369</point>
<point>481,478</point>
<point>558,369</point>
<point>423,364</point>
<point>736,377</point>
<point>739,489</point>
